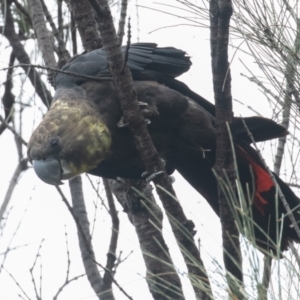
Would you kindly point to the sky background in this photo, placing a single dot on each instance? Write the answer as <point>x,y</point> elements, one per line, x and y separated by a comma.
<point>41,215</point>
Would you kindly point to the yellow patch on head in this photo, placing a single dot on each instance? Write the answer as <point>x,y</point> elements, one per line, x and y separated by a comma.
<point>80,137</point>
<point>84,138</point>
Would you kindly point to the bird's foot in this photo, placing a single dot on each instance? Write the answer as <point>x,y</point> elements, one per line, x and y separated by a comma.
<point>122,124</point>
<point>141,104</point>
<point>147,112</point>
<point>150,176</point>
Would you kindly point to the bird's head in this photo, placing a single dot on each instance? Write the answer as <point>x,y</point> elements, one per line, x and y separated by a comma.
<point>70,140</point>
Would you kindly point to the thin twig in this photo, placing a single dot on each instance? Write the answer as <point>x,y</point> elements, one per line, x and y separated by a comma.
<point>86,242</point>
<point>65,284</point>
<point>38,297</point>
<point>60,71</point>
<point>22,166</point>
<point>112,278</point>
<point>17,283</point>
<point>13,131</point>
<point>111,256</point>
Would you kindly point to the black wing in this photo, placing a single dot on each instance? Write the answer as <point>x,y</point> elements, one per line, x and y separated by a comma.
<point>146,61</point>
<point>149,62</point>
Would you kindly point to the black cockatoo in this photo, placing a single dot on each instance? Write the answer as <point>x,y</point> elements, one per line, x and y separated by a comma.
<point>83,132</point>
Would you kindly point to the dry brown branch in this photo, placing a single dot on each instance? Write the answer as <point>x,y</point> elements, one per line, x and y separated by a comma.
<point>13,131</point>
<point>86,24</point>
<point>21,8</point>
<point>220,14</point>
<point>123,12</point>
<point>17,284</point>
<point>62,51</point>
<point>22,166</point>
<point>9,248</point>
<point>86,248</point>
<point>114,281</point>
<point>60,71</point>
<point>8,98</point>
<point>148,153</point>
<point>137,200</point>
<point>37,294</point>
<point>43,35</point>
<point>79,212</point>
<point>86,241</point>
<point>67,280</point>
<point>111,255</point>
<point>22,56</point>
<point>97,193</point>
<point>65,284</point>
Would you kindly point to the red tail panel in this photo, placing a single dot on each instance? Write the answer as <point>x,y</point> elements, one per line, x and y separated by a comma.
<point>263,181</point>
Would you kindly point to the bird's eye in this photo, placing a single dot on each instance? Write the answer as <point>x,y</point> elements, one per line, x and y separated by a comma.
<point>54,143</point>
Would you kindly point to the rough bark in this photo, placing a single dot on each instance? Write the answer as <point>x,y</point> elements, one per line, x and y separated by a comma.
<point>84,17</point>
<point>44,37</point>
<point>21,55</point>
<point>145,215</point>
<point>8,98</point>
<point>103,292</point>
<point>122,21</point>
<point>182,228</point>
<point>62,52</point>
<point>220,14</point>
<point>111,255</point>
<point>87,253</point>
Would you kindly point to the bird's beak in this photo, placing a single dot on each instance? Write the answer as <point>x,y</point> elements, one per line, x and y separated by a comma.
<point>48,170</point>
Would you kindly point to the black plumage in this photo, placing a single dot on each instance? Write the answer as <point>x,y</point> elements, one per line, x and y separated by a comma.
<point>182,128</point>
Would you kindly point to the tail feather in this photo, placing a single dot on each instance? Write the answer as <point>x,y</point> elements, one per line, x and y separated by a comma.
<point>263,181</point>
<point>262,129</point>
<point>268,212</point>
<point>268,209</point>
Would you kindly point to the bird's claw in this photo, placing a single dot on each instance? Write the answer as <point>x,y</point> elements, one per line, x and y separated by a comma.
<point>147,112</point>
<point>122,124</point>
<point>149,177</point>
<point>141,103</point>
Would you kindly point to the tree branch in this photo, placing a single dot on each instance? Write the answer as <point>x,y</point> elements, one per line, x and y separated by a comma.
<point>149,155</point>
<point>111,255</point>
<point>62,51</point>
<point>220,14</point>
<point>43,35</point>
<point>86,24</point>
<point>86,248</point>
<point>22,56</point>
<point>137,200</point>
<point>122,20</point>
